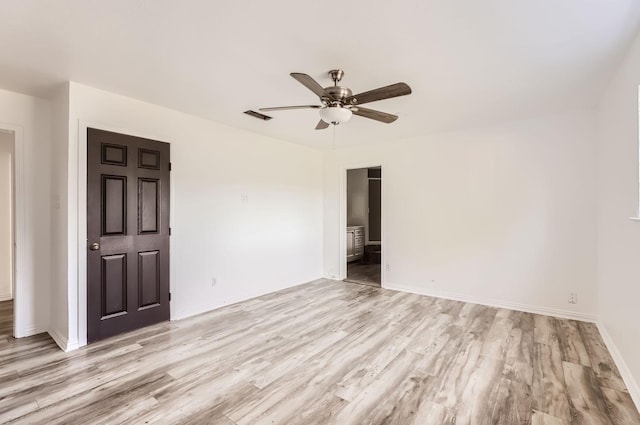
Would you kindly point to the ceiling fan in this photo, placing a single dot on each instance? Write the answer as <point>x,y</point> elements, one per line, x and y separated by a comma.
<point>339,103</point>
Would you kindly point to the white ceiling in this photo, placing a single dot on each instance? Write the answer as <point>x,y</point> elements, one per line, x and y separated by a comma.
<point>469,62</point>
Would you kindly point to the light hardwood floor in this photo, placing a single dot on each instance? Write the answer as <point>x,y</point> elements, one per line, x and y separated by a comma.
<point>325,353</point>
<point>366,274</point>
<point>6,319</point>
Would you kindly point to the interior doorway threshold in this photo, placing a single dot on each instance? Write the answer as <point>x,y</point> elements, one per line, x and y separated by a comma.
<point>363,282</point>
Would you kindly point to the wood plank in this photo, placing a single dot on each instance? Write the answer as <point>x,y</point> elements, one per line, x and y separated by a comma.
<point>601,361</point>
<point>540,418</point>
<point>478,399</point>
<point>426,339</point>
<point>545,329</point>
<point>359,378</point>
<point>409,407</point>
<point>620,407</point>
<point>519,353</point>
<point>512,405</point>
<point>495,344</point>
<point>384,388</point>
<point>448,387</point>
<point>585,396</point>
<point>571,345</point>
<point>549,388</point>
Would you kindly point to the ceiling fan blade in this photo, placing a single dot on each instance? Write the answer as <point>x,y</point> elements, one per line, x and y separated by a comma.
<point>321,125</point>
<point>285,108</point>
<point>387,92</point>
<point>309,83</point>
<point>374,115</point>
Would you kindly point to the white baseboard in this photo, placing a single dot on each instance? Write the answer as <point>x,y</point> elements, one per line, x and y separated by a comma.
<point>335,279</point>
<point>491,302</point>
<point>62,342</point>
<point>6,296</point>
<point>627,377</point>
<point>59,339</point>
<point>31,331</point>
<point>72,345</point>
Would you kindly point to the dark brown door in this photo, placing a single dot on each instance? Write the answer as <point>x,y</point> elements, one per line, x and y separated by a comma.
<point>127,232</point>
<point>375,210</point>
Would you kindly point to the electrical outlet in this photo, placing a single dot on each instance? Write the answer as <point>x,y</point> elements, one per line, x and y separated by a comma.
<point>244,198</point>
<point>573,298</point>
<point>388,267</point>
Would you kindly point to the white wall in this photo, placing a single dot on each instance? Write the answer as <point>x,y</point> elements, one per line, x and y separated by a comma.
<point>503,214</point>
<point>358,199</point>
<point>6,211</point>
<point>60,225</point>
<point>619,237</point>
<point>29,117</point>
<point>272,241</point>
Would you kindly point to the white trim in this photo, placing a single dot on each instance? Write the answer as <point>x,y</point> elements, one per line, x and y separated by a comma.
<point>637,144</point>
<point>32,330</point>
<point>80,338</point>
<point>333,279</point>
<point>9,295</point>
<point>634,218</point>
<point>81,232</point>
<point>19,241</point>
<point>20,330</point>
<point>627,377</point>
<point>342,251</point>
<point>492,302</point>
<point>61,341</point>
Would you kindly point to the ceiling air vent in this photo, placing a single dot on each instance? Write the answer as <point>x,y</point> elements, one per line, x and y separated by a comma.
<point>258,115</point>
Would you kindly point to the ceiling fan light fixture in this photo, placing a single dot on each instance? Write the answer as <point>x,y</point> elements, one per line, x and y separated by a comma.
<point>335,114</point>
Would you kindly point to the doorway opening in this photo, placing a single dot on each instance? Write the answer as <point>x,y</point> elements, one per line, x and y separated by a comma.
<point>364,226</point>
<point>7,142</point>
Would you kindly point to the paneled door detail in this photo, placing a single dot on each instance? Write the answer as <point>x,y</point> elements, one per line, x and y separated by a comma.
<point>127,233</point>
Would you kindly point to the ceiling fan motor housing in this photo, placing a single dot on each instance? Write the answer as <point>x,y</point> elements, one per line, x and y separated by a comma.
<point>338,94</point>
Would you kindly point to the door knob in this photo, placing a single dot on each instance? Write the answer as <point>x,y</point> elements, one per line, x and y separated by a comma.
<point>94,246</point>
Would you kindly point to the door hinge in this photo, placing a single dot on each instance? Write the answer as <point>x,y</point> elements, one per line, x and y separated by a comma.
<point>169,166</point>
<point>169,296</point>
<point>169,231</point>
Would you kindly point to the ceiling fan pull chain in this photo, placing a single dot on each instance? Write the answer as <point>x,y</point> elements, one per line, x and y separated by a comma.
<point>334,137</point>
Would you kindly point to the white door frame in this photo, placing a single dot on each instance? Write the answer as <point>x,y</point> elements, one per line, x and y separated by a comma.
<point>18,254</point>
<point>343,219</point>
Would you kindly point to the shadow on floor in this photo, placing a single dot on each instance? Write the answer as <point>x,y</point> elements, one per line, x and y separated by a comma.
<point>365,274</point>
